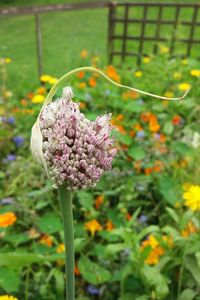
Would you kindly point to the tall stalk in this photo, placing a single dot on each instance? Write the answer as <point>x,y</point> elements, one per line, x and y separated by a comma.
<point>67,215</point>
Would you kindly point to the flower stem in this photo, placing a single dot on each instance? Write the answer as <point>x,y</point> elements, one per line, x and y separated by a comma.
<point>62,80</point>
<point>67,215</point>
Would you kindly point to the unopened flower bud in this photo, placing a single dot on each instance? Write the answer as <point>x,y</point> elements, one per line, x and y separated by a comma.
<point>72,149</point>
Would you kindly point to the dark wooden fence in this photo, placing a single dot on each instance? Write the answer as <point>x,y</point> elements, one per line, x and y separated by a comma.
<point>125,20</point>
<point>120,14</point>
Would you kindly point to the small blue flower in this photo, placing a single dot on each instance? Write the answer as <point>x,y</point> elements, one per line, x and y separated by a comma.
<point>8,200</point>
<point>140,134</point>
<point>11,157</point>
<point>142,219</point>
<point>18,140</point>
<point>92,290</point>
<point>11,120</point>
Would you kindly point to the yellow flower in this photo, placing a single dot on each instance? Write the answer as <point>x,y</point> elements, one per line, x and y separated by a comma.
<point>48,79</point>
<point>156,250</point>
<point>192,197</point>
<point>184,61</point>
<point>186,186</point>
<point>184,86</point>
<point>7,60</point>
<point>7,219</point>
<point>82,85</point>
<point>52,80</point>
<point>177,75</point>
<point>84,54</point>
<point>93,226</point>
<point>169,94</point>
<point>146,59</point>
<point>195,73</point>
<point>38,98</point>
<point>164,49</point>
<point>138,74</point>
<point>6,297</point>
<point>60,248</point>
<point>2,110</point>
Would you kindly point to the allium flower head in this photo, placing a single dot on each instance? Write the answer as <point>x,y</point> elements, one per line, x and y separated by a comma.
<point>72,148</point>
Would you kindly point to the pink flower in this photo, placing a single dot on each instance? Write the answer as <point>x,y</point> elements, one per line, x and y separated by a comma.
<point>75,150</point>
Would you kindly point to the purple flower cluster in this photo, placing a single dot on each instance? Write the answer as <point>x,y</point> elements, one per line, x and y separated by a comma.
<point>76,150</point>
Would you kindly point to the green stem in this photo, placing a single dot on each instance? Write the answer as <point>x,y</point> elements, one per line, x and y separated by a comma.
<point>63,79</point>
<point>67,214</point>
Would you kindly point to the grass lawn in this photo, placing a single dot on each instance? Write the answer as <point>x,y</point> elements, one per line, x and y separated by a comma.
<point>65,34</point>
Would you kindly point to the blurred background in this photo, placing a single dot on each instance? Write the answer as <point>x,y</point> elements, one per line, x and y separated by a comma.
<point>137,231</point>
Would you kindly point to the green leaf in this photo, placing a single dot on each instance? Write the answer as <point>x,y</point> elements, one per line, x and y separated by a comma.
<point>92,272</point>
<point>192,266</point>
<point>148,230</point>
<point>181,148</point>
<point>49,223</point>
<point>169,189</point>
<point>186,218</point>
<point>9,280</point>
<point>18,260</point>
<point>188,294</point>
<point>136,152</point>
<point>155,280</point>
<point>114,248</point>
<point>79,244</point>
<point>168,127</point>
<point>85,199</point>
<point>197,255</point>
<point>173,214</point>
<point>123,138</point>
<point>134,106</point>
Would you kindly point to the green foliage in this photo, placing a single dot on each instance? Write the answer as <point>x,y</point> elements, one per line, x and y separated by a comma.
<point>146,246</point>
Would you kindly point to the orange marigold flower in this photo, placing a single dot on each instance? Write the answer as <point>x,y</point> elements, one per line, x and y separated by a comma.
<point>41,90</point>
<point>190,229</point>
<point>7,219</point>
<point>84,54</point>
<point>128,216</point>
<point>156,250</point>
<point>112,73</point>
<point>148,171</point>
<point>137,165</point>
<point>23,102</point>
<point>93,226</point>
<point>109,226</point>
<point>30,95</point>
<point>46,240</point>
<point>162,138</point>
<point>77,271</point>
<point>132,133</point>
<point>82,105</point>
<point>98,201</point>
<point>138,127</point>
<point>130,95</point>
<point>80,74</point>
<point>120,128</point>
<point>176,120</point>
<point>153,124</point>
<point>146,116</point>
<point>119,117</point>
<point>92,82</point>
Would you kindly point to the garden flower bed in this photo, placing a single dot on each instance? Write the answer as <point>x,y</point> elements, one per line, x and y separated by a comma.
<point>137,231</point>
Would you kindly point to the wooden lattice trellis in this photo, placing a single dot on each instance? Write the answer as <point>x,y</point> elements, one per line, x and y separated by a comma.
<point>188,41</point>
